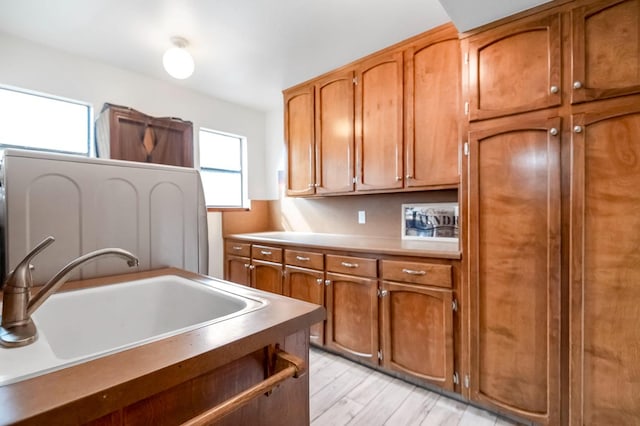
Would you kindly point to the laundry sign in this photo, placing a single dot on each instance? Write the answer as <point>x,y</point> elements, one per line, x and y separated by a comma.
<point>431,221</point>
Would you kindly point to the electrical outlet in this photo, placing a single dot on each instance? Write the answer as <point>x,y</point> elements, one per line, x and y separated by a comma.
<point>362,217</point>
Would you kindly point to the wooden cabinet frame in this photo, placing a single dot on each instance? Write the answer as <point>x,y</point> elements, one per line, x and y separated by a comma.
<point>579,70</point>
<point>511,32</point>
<point>549,273</point>
<point>441,339</point>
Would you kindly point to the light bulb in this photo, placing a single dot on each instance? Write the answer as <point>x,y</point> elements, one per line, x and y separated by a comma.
<point>177,61</point>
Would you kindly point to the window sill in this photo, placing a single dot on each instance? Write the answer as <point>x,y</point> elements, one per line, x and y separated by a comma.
<point>228,209</point>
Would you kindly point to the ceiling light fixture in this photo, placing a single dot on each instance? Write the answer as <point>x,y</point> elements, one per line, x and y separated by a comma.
<point>177,61</point>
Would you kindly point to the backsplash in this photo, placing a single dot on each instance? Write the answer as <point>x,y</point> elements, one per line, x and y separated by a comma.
<point>339,214</point>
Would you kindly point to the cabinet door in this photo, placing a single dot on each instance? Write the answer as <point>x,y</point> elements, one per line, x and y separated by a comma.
<point>352,316</point>
<point>515,68</point>
<point>417,332</point>
<point>606,50</point>
<point>432,92</point>
<point>266,276</point>
<point>514,260</point>
<point>605,274</point>
<point>379,123</point>
<point>237,269</point>
<point>307,285</point>
<point>334,134</point>
<point>299,136</point>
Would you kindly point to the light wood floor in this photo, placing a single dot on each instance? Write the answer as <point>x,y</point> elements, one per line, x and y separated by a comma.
<point>343,392</point>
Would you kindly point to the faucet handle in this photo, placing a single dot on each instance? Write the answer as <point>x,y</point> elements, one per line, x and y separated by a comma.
<point>21,274</point>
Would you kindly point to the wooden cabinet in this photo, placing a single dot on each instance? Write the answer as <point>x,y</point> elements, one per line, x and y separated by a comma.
<point>266,268</point>
<point>304,280</point>
<point>515,67</point>
<point>254,265</point>
<point>379,96</point>
<point>385,123</point>
<point>417,321</point>
<point>605,265</point>
<point>237,262</point>
<point>605,50</point>
<point>335,150</point>
<point>299,137</point>
<point>352,308</point>
<point>135,136</point>
<point>514,267</point>
<point>432,107</point>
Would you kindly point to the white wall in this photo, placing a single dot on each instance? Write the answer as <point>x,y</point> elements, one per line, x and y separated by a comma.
<point>36,67</point>
<point>275,152</point>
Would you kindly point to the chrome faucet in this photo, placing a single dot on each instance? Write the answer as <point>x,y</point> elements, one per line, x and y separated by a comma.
<point>16,326</point>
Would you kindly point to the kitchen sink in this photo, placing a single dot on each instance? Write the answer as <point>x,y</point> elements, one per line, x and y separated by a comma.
<point>77,326</point>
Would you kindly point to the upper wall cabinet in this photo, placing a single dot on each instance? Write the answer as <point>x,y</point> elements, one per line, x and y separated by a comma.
<point>432,93</point>
<point>334,133</point>
<point>299,136</point>
<point>379,122</point>
<point>515,68</point>
<point>385,123</point>
<point>606,53</point>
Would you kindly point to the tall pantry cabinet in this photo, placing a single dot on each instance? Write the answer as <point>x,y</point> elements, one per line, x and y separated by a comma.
<point>551,176</point>
<point>604,336</point>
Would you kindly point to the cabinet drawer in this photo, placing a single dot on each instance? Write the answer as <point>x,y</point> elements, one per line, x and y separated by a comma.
<point>352,265</point>
<point>304,259</point>
<point>237,249</point>
<point>417,273</point>
<point>271,254</point>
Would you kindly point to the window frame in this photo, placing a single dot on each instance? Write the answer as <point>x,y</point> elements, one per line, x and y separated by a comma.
<point>90,152</point>
<point>245,202</point>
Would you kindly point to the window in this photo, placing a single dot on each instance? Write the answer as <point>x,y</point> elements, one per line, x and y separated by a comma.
<point>223,169</point>
<point>36,121</point>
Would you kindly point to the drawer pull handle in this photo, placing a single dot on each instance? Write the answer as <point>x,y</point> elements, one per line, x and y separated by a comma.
<point>265,252</point>
<point>412,272</point>
<point>349,265</point>
<point>237,248</point>
<point>302,258</point>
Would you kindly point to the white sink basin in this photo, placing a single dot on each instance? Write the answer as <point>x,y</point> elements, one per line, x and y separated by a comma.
<point>77,326</point>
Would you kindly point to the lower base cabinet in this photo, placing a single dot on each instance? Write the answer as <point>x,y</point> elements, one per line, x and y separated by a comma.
<point>417,332</point>
<point>352,316</point>
<point>392,312</point>
<point>237,269</point>
<point>266,276</point>
<point>308,285</point>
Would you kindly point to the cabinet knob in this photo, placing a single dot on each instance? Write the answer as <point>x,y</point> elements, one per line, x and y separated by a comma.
<point>398,178</point>
<point>577,129</point>
<point>246,265</point>
<point>327,282</point>
<point>409,176</point>
<point>310,185</point>
<point>577,84</point>
<point>553,131</point>
<point>554,89</point>
<point>319,281</point>
<point>252,267</point>
<point>317,185</point>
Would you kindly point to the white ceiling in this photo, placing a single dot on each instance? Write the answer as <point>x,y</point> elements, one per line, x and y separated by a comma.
<point>246,51</point>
